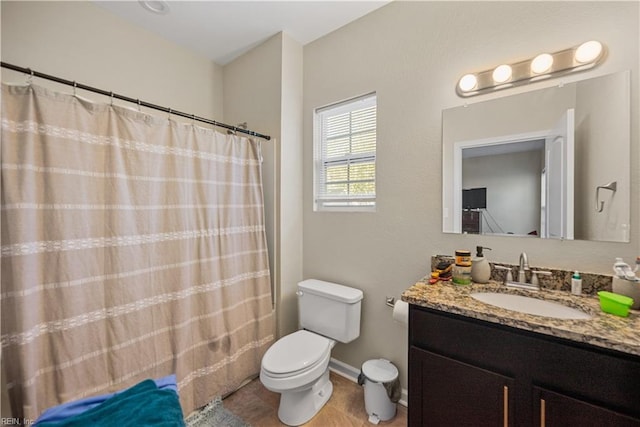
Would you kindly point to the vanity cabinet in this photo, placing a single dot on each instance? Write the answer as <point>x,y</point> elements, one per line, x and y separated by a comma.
<point>468,372</point>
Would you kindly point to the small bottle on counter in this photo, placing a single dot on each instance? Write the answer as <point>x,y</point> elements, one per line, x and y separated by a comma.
<point>576,284</point>
<point>463,258</point>
<point>462,269</point>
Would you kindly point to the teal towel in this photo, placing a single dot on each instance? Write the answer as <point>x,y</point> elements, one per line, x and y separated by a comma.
<point>142,405</point>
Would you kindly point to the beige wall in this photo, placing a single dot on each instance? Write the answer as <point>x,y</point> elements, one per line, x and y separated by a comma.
<point>412,54</point>
<point>83,42</point>
<point>291,184</point>
<point>252,94</point>
<point>599,127</point>
<point>264,87</point>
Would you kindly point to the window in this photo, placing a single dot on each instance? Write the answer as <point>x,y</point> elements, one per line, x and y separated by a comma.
<point>345,155</point>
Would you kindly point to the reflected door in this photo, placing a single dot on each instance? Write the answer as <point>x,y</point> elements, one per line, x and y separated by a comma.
<point>557,216</point>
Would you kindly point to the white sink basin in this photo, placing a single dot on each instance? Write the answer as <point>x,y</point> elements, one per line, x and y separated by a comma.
<point>530,305</point>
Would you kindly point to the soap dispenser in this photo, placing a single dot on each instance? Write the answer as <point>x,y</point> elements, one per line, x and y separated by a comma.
<point>480,268</point>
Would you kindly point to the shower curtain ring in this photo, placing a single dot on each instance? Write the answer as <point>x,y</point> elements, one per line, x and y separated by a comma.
<point>75,86</point>
<point>111,95</point>
<point>30,76</point>
<point>169,116</point>
<point>138,101</point>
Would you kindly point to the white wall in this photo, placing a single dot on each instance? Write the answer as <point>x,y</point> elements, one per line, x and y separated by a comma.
<point>411,54</point>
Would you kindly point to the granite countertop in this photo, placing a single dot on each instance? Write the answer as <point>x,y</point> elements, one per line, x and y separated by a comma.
<point>602,330</point>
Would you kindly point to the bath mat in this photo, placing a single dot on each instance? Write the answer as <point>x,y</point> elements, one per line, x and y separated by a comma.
<point>215,415</point>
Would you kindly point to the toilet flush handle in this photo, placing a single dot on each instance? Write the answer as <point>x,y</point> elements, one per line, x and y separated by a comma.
<point>299,293</point>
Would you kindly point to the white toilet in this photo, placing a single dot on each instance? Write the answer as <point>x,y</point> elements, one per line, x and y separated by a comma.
<point>297,365</point>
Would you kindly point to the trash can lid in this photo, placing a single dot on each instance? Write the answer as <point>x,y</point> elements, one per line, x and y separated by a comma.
<point>379,370</point>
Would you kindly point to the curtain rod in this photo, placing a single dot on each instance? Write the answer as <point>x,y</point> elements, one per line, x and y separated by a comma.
<point>128,99</point>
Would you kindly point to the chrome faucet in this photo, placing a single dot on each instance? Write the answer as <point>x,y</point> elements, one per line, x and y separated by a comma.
<point>521,283</point>
<point>524,266</point>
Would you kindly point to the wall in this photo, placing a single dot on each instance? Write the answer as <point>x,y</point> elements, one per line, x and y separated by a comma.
<point>598,127</point>
<point>80,41</point>
<point>264,87</point>
<point>411,54</point>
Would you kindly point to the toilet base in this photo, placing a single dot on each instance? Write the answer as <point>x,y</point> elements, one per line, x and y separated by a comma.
<point>298,407</point>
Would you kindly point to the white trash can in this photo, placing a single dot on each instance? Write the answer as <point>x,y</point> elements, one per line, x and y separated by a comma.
<point>376,401</point>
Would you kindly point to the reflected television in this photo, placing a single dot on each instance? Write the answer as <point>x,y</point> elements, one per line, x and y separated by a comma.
<point>474,198</point>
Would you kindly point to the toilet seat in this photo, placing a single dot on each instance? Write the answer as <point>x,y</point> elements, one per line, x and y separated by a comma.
<point>295,353</point>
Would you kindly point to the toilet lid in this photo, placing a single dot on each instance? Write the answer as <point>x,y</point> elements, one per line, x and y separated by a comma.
<point>295,352</point>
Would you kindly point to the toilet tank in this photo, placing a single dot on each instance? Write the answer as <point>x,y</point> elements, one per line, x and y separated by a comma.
<point>329,309</point>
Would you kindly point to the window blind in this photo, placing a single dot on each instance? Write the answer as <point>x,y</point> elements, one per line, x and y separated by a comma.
<point>345,155</point>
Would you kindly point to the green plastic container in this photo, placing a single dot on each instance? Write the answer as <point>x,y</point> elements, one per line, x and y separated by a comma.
<point>615,303</point>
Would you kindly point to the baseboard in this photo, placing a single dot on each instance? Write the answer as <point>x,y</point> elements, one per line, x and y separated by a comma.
<point>349,372</point>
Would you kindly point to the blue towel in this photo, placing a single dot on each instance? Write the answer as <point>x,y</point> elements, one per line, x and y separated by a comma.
<point>144,404</point>
<point>70,409</point>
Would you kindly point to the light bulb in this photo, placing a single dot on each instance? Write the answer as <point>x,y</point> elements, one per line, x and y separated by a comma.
<point>502,73</point>
<point>541,63</point>
<point>468,82</point>
<point>588,51</point>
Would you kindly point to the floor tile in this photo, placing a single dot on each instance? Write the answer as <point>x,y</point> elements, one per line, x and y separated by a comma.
<point>259,406</point>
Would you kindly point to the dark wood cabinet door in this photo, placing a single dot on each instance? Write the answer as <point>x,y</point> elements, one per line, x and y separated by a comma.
<point>444,392</point>
<point>558,410</point>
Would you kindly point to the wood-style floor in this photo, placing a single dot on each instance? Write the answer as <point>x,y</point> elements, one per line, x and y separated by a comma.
<point>259,406</point>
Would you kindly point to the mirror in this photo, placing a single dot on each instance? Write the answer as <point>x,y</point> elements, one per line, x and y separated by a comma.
<point>549,163</point>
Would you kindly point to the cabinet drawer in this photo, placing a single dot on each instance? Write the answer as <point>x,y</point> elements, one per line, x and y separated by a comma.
<point>456,337</point>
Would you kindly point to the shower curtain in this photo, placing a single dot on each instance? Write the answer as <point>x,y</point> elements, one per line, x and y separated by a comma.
<point>133,247</point>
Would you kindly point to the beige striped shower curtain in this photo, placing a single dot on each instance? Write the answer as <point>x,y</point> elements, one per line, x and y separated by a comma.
<point>133,247</point>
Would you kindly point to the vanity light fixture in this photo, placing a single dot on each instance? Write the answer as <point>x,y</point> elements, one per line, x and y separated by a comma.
<point>545,65</point>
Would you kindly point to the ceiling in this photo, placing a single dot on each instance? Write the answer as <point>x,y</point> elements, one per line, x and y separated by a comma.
<point>224,30</point>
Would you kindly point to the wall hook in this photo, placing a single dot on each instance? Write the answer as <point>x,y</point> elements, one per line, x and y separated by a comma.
<point>612,186</point>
